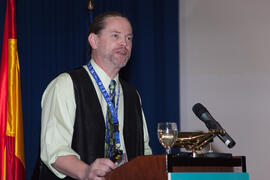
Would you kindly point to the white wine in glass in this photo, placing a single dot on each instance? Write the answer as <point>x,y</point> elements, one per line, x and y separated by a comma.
<point>167,134</point>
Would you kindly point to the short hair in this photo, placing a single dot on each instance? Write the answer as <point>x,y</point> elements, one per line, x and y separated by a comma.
<point>99,21</point>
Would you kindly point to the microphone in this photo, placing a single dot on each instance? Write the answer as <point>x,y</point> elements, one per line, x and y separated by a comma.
<point>202,113</point>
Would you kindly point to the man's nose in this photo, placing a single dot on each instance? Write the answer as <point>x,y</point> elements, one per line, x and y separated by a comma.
<point>123,42</point>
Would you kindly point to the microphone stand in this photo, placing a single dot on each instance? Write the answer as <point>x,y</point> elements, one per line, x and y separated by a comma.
<point>212,154</point>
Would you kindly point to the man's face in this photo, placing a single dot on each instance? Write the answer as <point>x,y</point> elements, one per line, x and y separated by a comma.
<point>115,41</point>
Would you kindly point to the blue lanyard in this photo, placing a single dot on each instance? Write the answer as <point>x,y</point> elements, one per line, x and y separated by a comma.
<point>108,101</point>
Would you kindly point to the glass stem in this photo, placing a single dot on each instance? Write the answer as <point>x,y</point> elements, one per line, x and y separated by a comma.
<point>168,151</point>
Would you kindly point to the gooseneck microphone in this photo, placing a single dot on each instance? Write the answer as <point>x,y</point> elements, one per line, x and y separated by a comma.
<point>202,113</point>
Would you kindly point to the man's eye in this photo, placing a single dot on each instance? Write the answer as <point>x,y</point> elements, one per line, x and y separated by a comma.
<point>129,38</point>
<point>115,35</point>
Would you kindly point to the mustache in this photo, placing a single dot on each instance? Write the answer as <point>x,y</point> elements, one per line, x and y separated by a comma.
<point>121,48</point>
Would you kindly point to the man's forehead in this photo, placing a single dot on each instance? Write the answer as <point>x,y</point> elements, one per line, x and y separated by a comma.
<point>111,22</point>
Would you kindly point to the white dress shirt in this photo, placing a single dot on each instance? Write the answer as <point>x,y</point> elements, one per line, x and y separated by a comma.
<point>58,116</point>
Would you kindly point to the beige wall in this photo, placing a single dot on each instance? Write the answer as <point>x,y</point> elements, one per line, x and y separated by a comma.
<point>225,65</point>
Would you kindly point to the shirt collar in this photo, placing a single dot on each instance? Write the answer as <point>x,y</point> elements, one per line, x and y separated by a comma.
<point>105,79</point>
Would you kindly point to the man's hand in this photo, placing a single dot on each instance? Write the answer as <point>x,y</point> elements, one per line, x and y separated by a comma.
<point>99,168</point>
<point>77,169</point>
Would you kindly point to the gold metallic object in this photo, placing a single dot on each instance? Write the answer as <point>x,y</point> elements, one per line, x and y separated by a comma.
<point>195,141</point>
<point>91,5</point>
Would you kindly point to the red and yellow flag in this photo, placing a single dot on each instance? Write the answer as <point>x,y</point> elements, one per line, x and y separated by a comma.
<point>12,165</point>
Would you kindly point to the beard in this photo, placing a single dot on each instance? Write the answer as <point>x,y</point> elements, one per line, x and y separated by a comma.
<point>120,57</point>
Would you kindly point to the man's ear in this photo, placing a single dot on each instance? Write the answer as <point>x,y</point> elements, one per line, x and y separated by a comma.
<point>92,39</point>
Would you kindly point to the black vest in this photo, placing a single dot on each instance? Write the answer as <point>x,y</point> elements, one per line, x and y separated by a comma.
<point>89,127</point>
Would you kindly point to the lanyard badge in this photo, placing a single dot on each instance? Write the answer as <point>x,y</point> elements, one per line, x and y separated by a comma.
<point>118,154</point>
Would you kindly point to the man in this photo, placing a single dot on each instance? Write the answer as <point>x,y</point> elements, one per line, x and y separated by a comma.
<point>76,141</point>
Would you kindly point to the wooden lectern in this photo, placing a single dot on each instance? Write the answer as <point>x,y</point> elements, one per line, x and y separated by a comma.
<point>157,166</point>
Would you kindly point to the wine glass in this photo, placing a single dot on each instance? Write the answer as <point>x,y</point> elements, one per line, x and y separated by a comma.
<point>167,134</point>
